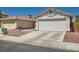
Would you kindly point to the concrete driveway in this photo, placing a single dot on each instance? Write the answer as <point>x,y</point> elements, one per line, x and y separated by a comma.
<point>44,35</point>
<point>34,41</point>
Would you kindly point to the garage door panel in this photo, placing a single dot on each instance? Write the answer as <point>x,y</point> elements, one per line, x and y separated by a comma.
<point>52,25</point>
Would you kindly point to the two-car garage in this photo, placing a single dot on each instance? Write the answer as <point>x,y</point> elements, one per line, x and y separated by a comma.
<point>53,25</point>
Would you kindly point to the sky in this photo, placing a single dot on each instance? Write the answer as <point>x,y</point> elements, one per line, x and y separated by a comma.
<point>24,11</point>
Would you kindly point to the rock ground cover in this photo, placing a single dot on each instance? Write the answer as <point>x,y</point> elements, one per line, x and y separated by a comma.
<point>72,37</point>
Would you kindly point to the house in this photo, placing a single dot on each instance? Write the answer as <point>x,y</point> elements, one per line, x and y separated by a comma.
<point>2,14</point>
<point>16,22</point>
<point>54,20</point>
<point>76,24</point>
<point>12,22</point>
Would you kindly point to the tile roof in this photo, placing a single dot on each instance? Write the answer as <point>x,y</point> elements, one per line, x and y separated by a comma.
<point>3,14</point>
<point>53,10</point>
<point>16,18</point>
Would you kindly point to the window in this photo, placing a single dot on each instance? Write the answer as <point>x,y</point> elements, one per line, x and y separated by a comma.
<point>8,22</point>
<point>50,13</point>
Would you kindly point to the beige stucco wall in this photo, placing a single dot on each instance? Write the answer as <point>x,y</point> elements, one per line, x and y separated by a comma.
<point>68,24</point>
<point>25,24</point>
<point>37,25</point>
<point>64,18</point>
<point>9,24</point>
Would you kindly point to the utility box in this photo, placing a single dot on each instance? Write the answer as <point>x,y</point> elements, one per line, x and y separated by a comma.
<point>4,31</point>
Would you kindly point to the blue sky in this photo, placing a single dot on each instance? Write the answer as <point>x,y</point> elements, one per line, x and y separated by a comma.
<point>24,11</point>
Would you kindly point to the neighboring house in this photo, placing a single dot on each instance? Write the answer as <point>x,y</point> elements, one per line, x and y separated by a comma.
<point>54,20</point>
<point>20,22</point>
<point>76,24</point>
<point>2,14</point>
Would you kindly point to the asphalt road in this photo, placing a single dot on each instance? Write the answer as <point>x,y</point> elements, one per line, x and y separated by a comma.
<point>8,46</point>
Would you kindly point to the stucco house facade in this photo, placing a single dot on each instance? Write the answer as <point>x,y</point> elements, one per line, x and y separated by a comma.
<point>12,22</point>
<point>54,20</point>
<point>16,22</point>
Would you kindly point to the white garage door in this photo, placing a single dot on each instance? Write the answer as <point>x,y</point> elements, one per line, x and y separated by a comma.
<point>52,25</point>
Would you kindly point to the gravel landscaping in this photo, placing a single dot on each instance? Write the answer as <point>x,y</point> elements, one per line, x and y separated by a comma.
<point>18,32</point>
<point>72,37</point>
